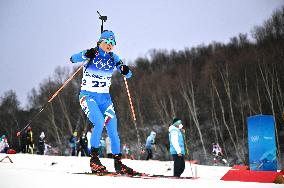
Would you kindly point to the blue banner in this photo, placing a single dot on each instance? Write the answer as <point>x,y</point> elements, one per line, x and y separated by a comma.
<point>261,141</point>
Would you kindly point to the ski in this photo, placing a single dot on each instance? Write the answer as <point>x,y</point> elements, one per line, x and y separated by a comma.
<point>113,174</point>
<point>7,157</point>
<point>138,175</point>
<point>169,177</point>
<point>98,174</point>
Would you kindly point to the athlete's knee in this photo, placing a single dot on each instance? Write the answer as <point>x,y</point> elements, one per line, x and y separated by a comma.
<point>110,112</point>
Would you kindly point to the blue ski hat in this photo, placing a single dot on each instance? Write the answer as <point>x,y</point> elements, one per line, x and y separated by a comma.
<point>107,35</point>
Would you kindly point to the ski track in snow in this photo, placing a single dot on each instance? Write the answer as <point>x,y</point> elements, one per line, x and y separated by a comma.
<point>37,171</point>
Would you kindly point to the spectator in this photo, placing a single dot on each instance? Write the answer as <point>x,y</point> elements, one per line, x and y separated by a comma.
<point>177,149</point>
<point>150,144</point>
<point>73,143</point>
<point>29,140</point>
<point>83,144</point>
<point>23,142</point>
<point>108,147</point>
<point>41,143</point>
<point>4,146</point>
<point>218,154</point>
<point>102,146</point>
<point>127,152</point>
<point>49,150</point>
<point>88,136</point>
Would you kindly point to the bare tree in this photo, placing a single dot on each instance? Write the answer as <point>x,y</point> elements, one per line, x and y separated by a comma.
<point>243,118</point>
<point>268,80</point>
<point>225,78</point>
<point>187,92</point>
<point>279,96</point>
<point>65,114</point>
<point>225,122</point>
<point>56,130</point>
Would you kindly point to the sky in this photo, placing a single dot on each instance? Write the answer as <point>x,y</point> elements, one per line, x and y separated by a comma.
<point>36,36</point>
<point>34,171</point>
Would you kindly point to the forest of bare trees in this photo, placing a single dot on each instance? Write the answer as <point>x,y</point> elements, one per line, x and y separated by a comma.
<point>212,88</point>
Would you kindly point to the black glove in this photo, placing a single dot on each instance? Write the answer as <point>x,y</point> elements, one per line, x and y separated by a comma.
<point>91,53</point>
<point>71,60</point>
<point>124,69</point>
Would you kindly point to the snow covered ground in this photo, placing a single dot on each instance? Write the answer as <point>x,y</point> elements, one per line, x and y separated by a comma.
<point>36,171</point>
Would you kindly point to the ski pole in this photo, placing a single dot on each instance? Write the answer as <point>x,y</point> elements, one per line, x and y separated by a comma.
<point>186,151</point>
<point>53,96</point>
<point>191,169</point>
<point>129,98</point>
<point>133,114</point>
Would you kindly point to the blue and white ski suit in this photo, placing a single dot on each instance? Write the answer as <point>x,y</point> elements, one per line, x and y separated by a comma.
<point>94,96</point>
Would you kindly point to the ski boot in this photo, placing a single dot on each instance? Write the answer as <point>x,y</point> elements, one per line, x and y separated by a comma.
<point>95,163</point>
<point>121,168</point>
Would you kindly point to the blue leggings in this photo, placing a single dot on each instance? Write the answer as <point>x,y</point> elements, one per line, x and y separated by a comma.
<point>99,109</point>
